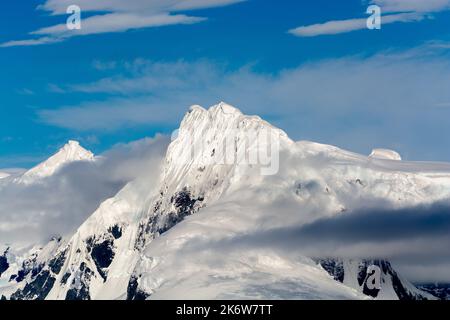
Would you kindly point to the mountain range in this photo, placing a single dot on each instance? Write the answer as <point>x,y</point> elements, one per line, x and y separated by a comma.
<point>225,222</point>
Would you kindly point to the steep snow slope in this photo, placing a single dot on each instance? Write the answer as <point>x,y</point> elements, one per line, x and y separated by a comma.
<point>101,255</point>
<point>29,269</point>
<point>313,181</point>
<point>354,274</point>
<point>85,259</point>
<point>200,229</point>
<point>199,259</point>
<point>70,152</point>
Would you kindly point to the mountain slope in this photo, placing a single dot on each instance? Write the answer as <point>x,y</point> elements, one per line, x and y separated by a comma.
<point>70,152</point>
<point>22,262</point>
<point>203,228</point>
<point>354,274</point>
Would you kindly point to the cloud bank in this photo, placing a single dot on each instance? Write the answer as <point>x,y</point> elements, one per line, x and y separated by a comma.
<point>59,204</point>
<point>415,239</point>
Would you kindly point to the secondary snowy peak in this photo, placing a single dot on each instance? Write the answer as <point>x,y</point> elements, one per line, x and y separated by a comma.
<point>385,154</point>
<point>4,175</point>
<point>72,151</point>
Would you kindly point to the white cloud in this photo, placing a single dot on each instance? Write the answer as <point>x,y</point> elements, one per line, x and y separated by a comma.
<point>31,214</point>
<point>329,27</point>
<point>114,113</point>
<point>116,22</point>
<point>30,42</point>
<point>387,100</point>
<point>342,26</point>
<point>413,5</point>
<point>392,11</point>
<point>117,16</point>
<point>155,6</point>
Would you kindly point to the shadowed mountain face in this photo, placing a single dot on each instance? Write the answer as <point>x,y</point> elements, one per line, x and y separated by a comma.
<point>347,271</point>
<point>207,228</point>
<point>440,290</point>
<point>4,265</point>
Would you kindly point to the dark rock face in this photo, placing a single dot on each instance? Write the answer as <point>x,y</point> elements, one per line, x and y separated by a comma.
<point>4,265</point>
<point>37,289</point>
<point>80,291</point>
<point>133,292</point>
<point>101,249</point>
<point>401,291</point>
<point>19,276</point>
<point>183,202</point>
<point>57,263</point>
<point>40,277</point>
<point>65,277</point>
<point>29,266</point>
<point>334,268</point>
<point>103,254</point>
<point>399,288</point>
<point>116,231</point>
<point>439,290</point>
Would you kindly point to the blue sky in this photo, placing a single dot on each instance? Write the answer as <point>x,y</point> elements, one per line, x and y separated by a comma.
<point>137,74</point>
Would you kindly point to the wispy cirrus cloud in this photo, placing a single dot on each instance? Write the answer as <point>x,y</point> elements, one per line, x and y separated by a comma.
<point>343,26</point>
<point>116,16</point>
<point>30,42</point>
<point>394,11</point>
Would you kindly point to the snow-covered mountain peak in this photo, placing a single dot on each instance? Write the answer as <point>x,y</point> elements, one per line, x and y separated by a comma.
<point>70,152</point>
<point>73,151</point>
<point>221,118</point>
<point>220,108</point>
<point>217,113</point>
<point>385,154</point>
<point>73,146</point>
<point>225,108</point>
<point>213,143</point>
